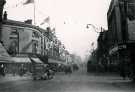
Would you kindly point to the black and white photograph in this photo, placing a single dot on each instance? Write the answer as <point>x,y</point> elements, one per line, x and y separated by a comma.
<point>67,45</point>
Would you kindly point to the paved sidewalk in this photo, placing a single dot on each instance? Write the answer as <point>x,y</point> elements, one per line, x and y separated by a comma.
<point>10,77</point>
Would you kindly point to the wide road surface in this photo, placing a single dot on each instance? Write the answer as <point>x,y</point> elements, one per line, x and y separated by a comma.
<point>78,81</point>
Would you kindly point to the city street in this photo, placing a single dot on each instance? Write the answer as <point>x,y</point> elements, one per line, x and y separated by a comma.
<point>87,43</point>
<point>76,82</point>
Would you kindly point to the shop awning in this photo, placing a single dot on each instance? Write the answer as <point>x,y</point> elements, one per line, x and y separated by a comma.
<point>36,60</point>
<point>56,61</point>
<point>5,59</point>
<point>21,60</point>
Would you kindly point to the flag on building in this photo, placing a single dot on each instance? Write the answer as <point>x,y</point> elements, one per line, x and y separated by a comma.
<point>46,20</point>
<point>28,2</point>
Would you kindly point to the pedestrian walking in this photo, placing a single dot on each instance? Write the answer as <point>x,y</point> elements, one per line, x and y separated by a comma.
<point>2,70</point>
<point>123,69</point>
<point>21,70</point>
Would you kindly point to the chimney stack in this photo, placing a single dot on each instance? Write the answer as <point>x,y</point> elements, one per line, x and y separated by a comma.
<point>29,21</point>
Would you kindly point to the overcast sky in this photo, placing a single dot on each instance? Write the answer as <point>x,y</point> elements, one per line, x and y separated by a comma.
<point>69,17</point>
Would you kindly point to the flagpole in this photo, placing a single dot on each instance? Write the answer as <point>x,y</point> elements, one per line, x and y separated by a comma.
<point>34,13</point>
<point>34,9</point>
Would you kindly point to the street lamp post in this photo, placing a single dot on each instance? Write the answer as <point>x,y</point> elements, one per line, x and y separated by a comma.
<point>95,28</point>
<point>101,42</point>
<point>125,20</point>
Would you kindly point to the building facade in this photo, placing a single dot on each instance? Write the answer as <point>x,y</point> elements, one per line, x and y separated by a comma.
<point>23,39</point>
<point>116,45</point>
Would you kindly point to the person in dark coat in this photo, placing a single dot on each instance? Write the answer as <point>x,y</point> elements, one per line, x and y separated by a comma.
<point>123,69</point>
<point>2,70</point>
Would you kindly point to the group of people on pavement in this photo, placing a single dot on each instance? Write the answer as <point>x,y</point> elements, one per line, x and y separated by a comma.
<point>50,73</point>
<point>68,70</point>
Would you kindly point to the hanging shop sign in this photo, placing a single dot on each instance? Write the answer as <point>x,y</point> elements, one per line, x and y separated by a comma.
<point>113,50</point>
<point>116,48</point>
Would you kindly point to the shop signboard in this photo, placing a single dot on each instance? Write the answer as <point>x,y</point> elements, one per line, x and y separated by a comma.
<point>116,48</point>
